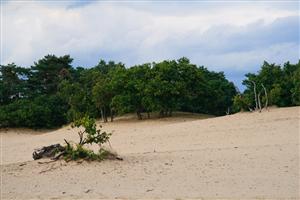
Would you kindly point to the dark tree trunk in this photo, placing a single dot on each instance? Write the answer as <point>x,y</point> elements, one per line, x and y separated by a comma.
<point>161,113</point>
<point>139,115</point>
<point>148,115</point>
<point>102,114</point>
<point>105,114</point>
<point>111,115</point>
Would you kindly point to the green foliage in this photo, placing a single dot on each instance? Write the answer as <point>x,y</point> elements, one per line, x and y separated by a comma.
<point>167,86</point>
<point>51,92</point>
<point>27,95</point>
<point>132,98</point>
<point>13,83</point>
<point>218,93</point>
<point>47,72</point>
<point>89,135</point>
<point>282,84</point>
<point>77,100</point>
<point>275,94</point>
<point>240,103</point>
<point>41,112</point>
<point>296,89</point>
<point>80,152</point>
<point>102,95</point>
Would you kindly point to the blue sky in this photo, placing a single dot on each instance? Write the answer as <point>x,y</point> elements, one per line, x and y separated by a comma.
<point>230,36</point>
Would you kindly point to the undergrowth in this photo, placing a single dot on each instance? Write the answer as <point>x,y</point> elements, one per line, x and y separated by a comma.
<point>78,152</point>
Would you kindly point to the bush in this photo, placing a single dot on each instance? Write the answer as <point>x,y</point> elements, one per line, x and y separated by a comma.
<point>240,103</point>
<point>90,135</point>
<point>80,152</point>
<point>41,112</point>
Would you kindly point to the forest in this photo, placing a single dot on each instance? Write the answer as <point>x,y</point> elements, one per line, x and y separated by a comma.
<point>51,92</point>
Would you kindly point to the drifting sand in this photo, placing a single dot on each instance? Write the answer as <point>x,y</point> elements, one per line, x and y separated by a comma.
<point>241,156</point>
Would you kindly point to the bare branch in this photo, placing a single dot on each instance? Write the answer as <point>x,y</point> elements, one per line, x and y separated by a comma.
<point>67,142</point>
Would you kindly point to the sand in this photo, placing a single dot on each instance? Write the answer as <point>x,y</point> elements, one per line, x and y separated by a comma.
<point>240,156</point>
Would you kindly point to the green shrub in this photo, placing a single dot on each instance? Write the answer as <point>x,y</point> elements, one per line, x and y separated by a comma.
<point>90,135</point>
<point>41,112</point>
<point>80,152</point>
<point>240,103</point>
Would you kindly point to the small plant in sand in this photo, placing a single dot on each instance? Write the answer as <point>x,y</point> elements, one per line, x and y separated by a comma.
<point>93,135</point>
<point>89,135</point>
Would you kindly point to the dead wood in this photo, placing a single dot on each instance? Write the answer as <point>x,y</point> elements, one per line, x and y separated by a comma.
<point>266,97</point>
<point>48,151</point>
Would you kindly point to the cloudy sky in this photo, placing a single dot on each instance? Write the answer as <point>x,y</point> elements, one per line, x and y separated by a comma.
<point>230,36</point>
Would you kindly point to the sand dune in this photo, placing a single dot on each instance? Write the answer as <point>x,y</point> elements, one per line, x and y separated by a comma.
<point>241,156</point>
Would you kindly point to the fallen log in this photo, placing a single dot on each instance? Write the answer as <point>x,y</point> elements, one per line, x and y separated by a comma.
<point>48,152</point>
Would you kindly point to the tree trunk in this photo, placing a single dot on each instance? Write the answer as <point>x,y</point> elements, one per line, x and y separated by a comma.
<point>139,115</point>
<point>266,96</point>
<point>111,115</point>
<point>105,115</point>
<point>148,114</point>
<point>255,95</point>
<point>228,111</point>
<point>161,113</point>
<point>259,104</point>
<point>102,114</point>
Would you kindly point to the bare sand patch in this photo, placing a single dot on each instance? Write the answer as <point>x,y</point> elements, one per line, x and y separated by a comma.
<point>241,156</point>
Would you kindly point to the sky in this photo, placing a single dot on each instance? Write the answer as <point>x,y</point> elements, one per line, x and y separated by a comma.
<point>230,36</point>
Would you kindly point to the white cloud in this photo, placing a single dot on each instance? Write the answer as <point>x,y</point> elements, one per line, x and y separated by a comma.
<point>139,32</point>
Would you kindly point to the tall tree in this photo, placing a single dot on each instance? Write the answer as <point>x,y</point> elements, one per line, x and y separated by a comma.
<point>13,83</point>
<point>168,86</point>
<point>48,72</point>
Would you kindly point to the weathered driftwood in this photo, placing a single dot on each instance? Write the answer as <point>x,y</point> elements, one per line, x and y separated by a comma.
<point>53,151</point>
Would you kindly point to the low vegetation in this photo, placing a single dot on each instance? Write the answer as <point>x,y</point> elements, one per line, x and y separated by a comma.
<point>74,151</point>
<point>89,135</point>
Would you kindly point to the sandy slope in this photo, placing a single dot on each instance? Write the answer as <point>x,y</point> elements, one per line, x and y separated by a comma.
<point>241,156</point>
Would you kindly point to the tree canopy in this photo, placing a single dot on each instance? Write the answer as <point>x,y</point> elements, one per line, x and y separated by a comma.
<point>52,92</point>
<point>282,84</point>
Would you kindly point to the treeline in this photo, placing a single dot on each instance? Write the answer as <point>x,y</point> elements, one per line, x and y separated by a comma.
<point>273,85</point>
<point>52,93</point>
